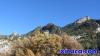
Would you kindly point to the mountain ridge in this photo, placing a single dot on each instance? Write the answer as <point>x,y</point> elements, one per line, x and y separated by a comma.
<point>50,38</point>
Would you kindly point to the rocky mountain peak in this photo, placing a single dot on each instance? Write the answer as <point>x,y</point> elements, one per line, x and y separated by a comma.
<point>52,28</point>
<point>83,19</point>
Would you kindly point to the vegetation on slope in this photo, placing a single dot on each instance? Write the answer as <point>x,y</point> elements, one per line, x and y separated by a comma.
<point>44,44</point>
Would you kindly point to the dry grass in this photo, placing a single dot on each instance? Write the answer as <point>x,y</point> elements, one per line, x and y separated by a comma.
<point>41,44</point>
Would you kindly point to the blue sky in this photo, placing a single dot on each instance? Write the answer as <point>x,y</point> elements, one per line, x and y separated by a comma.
<point>22,16</point>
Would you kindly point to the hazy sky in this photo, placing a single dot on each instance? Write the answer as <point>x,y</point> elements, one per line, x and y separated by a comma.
<point>22,16</point>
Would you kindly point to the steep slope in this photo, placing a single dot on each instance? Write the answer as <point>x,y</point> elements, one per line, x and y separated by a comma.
<point>79,28</point>
<point>87,30</point>
<point>50,27</point>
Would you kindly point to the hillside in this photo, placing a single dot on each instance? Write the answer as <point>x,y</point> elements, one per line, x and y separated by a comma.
<point>87,30</point>
<point>84,33</point>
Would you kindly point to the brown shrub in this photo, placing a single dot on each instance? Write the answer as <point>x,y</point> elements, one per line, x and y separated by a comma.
<point>45,45</point>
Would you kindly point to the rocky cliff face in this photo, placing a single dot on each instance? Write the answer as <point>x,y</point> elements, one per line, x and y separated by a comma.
<point>82,20</point>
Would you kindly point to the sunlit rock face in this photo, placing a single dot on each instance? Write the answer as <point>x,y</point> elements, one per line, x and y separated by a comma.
<point>76,37</point>
<point>98,30</point>
<point>83,19</point>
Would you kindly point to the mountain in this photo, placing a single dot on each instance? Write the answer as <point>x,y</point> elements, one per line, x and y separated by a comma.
<point>84,33</point>
<point>88,29</point>
<point>50,27</point>
<point>89,25</point>
<point>83,19</point>
<point>85,30</point>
